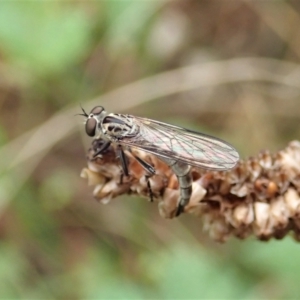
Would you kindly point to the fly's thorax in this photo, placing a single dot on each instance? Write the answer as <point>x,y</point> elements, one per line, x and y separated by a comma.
<point>117,126</point>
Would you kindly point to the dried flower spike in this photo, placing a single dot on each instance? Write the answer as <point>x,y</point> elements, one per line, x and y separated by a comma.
<point>260,196</point>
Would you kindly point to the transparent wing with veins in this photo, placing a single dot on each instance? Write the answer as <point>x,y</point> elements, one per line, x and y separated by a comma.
<point>190,147</point>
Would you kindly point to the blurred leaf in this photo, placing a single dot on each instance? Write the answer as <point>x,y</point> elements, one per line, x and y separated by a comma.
<point>57,190</point>
<point>276,259</point>
<point>13,283</point>
<point>190,273</point>
<point>6,185</point>
<point>11,268</point>
<point>3,136</point>
<point>127,21</point>
<point>100,278</point>
<point>43,36</point>
<point>36,223</point>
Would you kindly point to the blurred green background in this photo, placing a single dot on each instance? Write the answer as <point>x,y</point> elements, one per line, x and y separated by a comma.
<point>228,68</point>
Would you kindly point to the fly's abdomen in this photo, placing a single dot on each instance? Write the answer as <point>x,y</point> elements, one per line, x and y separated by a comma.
<point>184,177</point>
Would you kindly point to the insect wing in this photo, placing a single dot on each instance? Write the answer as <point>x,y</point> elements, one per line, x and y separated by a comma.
<point>193,148</point>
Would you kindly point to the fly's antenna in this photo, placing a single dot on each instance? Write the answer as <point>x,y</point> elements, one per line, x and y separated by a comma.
<point>84,112</point>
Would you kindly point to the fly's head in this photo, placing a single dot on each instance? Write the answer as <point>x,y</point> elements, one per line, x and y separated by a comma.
<point>94,119</point>
<point>117,126</point>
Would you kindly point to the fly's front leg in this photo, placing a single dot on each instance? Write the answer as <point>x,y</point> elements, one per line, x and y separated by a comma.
<point>124,162</point>
<point>102,148</point>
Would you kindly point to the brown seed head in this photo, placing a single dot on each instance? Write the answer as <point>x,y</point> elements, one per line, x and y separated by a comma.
<point>260,196</point>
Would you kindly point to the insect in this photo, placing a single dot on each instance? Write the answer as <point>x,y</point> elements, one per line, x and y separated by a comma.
<point>180,148</point>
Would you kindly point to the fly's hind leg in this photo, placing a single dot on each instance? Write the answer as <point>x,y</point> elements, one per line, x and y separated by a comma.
<point>151,195</point>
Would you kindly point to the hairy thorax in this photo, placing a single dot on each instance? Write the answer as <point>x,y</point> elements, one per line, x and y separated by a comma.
<point>118,126</point>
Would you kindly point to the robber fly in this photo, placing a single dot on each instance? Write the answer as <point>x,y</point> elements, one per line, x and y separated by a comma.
<point>180,148</point>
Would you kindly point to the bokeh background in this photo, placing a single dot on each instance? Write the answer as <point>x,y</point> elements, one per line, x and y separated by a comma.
<point>227,68</point>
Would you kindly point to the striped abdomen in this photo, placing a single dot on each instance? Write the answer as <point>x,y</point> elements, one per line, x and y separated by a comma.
<point>182,171</point>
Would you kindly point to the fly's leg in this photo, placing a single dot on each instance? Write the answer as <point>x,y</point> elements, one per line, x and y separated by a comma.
<point>120,154</point>
<point>151,195</point>
<point>145,165</point>
<point>124,162</point>
<point>151,172</point>
<point>102,148</point>
<point>121,178</point>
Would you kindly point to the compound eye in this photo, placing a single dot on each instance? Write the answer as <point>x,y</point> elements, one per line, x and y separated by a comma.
<point>90,127</point>
<point>97,110</point>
